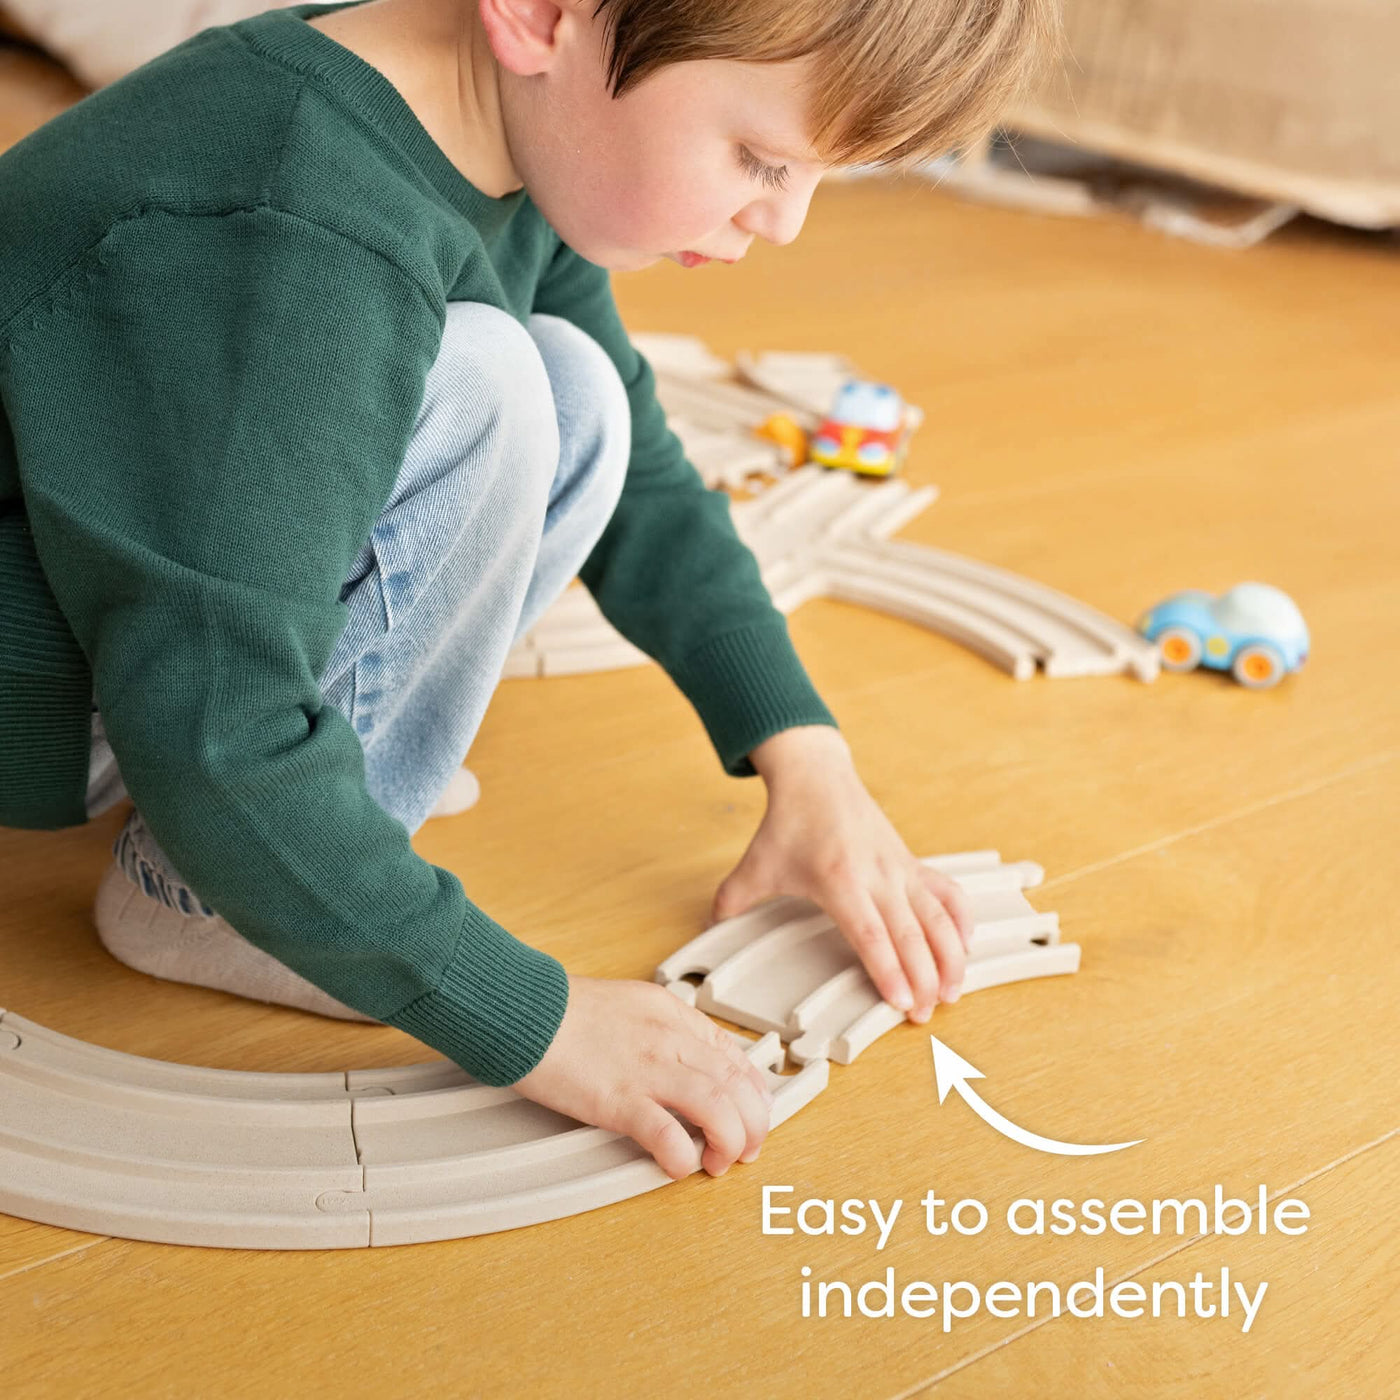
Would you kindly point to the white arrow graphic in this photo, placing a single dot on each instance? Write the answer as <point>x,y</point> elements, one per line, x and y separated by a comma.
<point>953,1072</point>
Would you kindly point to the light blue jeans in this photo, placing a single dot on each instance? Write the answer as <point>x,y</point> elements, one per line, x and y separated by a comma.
<point>513,470</point>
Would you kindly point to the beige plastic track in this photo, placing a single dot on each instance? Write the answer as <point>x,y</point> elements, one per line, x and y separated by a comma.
<point>713,414</point>
<point>820,533</point>
<point>93,1139</point>
<point>785,968</point>
<point>808,383</point>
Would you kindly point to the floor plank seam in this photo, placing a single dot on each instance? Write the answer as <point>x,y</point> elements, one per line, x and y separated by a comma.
<point>1306,790</point>
<point>1196,1239</point>
<point>54,1258</point>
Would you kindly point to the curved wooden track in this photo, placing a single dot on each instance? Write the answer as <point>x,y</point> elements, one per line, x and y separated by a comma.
<point>820,533</point>
<point>786,969</point>
<point>93,1139</point>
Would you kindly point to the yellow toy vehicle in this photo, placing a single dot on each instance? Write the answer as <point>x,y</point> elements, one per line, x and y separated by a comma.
<point>867,430</point>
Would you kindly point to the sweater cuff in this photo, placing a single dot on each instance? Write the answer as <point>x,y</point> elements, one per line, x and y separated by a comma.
<point>747,686</point>
<point>497,1007</point>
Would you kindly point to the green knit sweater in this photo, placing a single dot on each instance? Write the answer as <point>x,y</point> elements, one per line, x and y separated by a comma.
<point>223,280</point>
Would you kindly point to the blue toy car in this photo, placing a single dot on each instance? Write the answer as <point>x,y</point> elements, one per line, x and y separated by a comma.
<point>1254,631</point>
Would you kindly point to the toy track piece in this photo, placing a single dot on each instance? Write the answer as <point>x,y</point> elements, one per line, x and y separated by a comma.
<point>753,514</point>
<point>122,1145</point>
<point>840,1019</point>
<point>682,991</point>
<point>670,353</point>
<point>992,972</point>
<point>614,655</point>
<point>961,863</point>
<point>814,505</point>
<point>791,528</point>
<point>1133,652</point>
<point>574,605</point>
<point>828,1012</point>
<point>1063,958</point>
<point>1055,961</point>
<point>720,941</point>
<point>786,967</point>
<point>1062,647</point>
<point>824,533</point>
<point>997,644</point>
<point>806,382</point>
<point>719,405</point>
<point>758,986</point>
<point>1016,875</point>
<point>728,458</point>
<point>879,511</point>
<point>788,597</point>
<point>522,662</point>
<point>426,1178</point>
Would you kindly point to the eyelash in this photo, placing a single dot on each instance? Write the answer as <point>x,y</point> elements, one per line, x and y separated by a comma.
<point>774,176</point>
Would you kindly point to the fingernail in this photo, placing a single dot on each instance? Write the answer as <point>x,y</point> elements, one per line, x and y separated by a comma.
<point>904,998</point>
<point>923,1013</point>
<point>749,1157</point>
<point>954,993</point>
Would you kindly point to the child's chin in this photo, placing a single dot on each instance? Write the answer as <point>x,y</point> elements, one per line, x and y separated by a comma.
<point>629,262</point>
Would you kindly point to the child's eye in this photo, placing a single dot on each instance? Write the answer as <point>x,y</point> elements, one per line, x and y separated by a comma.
<point>774,176</point>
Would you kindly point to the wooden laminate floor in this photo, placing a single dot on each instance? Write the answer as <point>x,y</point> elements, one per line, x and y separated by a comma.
<point>1112,412</point>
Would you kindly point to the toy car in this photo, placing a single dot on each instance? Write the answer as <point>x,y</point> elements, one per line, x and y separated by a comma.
<point>1253,631</point>
<point>867,430</point>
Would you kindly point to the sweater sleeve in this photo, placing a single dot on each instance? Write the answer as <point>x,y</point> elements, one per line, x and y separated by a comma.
<point>210,412</point>
<point>669,571</point>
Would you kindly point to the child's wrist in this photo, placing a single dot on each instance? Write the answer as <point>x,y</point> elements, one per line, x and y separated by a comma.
<point>799,748</point>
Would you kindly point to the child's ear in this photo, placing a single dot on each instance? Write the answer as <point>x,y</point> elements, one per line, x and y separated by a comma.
<point>525,34</point>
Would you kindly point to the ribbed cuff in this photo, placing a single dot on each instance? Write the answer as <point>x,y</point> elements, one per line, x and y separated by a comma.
<point>45,695</point>
<point>747,686</point>
<point>497,1007</point>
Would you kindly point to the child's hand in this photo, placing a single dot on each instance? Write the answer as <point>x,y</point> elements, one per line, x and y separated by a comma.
<point>824,838</point>
<point>626,1051</point>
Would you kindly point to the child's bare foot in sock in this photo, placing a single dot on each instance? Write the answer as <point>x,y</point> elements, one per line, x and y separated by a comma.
<point>147,935</point>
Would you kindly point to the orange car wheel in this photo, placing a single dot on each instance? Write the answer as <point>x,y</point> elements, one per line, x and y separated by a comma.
<point>1257,667</point>
<point>1180,648</point>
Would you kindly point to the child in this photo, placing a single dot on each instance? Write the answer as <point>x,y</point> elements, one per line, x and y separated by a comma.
<point>316,396</point>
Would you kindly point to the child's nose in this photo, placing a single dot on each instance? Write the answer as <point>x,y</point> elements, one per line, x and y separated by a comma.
<point>778,217</point>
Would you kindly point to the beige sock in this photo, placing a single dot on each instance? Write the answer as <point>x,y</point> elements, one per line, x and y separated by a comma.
<point>149,936</point>
<point>462,791</point>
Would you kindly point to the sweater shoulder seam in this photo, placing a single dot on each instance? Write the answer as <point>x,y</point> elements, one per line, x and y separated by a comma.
<point>43,297</point>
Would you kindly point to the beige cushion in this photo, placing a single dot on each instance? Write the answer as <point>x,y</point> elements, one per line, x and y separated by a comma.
<point>102,42</point>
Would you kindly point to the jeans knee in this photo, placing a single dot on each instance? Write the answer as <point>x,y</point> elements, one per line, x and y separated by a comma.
<point>488,403</point>
<point>478,466</point>
<point>591,402</point>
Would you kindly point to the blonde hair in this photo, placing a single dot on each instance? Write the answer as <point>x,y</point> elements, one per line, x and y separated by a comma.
<point>903,81</point>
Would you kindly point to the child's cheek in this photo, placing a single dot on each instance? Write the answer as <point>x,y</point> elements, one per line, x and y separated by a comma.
<point>682,213</point>
<point>657,199</point>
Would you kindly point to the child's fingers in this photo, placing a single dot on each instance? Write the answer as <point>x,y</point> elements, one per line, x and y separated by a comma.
<point>943,937</point>
<point>717,1099</point>
<point>863,927</point>
<point>659,1133</point>
<point>719,1055</point>
<point>912,945</point>
<point>953,898</point>
<point>723,1044</point>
